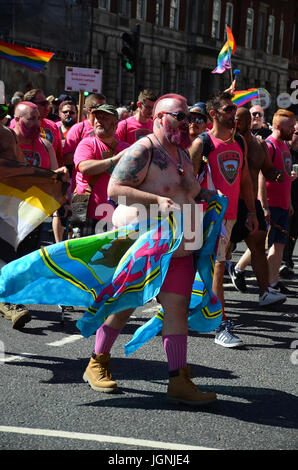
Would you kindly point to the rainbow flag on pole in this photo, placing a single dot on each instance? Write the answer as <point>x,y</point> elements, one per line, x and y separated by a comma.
<point>34,59</point>
<point>224,57</point>
<point>245,96</point>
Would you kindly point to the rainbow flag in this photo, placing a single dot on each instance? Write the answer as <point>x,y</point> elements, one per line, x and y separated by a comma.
<point>34,59</point>
<point>28,195</point>
<point>245,96</point>
<point>224,57</point>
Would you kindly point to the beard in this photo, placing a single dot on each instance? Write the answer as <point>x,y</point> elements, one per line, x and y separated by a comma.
<point>68,122</point>
<point>29,132</point>
<point>178,137</point>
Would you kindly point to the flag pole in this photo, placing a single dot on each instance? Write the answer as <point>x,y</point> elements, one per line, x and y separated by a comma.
<point>230,56</point>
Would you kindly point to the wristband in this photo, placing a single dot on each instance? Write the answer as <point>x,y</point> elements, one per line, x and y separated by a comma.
<point>265,208</point>
<point>110,170</point>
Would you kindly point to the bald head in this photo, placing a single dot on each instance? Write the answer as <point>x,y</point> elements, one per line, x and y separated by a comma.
<point>23,107</point>
<point>27,120</point>
<point>243,120</point>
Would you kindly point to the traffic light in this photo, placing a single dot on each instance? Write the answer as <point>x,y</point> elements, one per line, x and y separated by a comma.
<point>130,44</point>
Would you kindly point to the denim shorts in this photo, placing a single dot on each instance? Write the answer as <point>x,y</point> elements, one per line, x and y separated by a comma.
<point>279,221</point>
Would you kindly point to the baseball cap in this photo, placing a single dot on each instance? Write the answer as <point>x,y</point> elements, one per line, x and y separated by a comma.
<point>107,108</point>
<point>199,108</point>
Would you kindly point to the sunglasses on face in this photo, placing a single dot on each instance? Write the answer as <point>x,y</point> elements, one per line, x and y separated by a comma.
<point>147,106</point>
<point>180,116</point>
<point>68,112</point>
<point>231,108</point>
<point>198,120</point>
<point>295,133</point>
<point>257,113</point>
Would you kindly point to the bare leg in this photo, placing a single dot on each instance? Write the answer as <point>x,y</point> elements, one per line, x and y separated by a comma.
<point>256,245</point>
<point>274,261</point>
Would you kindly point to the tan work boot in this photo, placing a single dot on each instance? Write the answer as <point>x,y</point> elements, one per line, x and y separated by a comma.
<point>98,374</point>
<point>18,314</point>
<point>182,390</point>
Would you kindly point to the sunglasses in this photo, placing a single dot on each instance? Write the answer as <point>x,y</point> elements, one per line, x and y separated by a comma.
<point>231,108</point>
<point>295,133</point>
<point>180,116</point>
<point>68,112</point>
<point>198,120</point>
<point>42,103</point>
<point>257,113</point>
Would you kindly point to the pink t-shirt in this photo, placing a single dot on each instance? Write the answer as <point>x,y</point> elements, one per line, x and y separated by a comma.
<point>76,133</point>
<point>36,155</point>
<point>130,130</point>
<point>50,132</point>
<point>92,148</point>
<point>278,194</point>
<point>226,161</point>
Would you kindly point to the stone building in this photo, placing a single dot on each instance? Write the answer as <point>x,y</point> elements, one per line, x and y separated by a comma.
<point>179,44</point>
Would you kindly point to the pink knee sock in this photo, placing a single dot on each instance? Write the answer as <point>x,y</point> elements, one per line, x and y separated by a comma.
<point>105,338</point>
<point>175,347</point>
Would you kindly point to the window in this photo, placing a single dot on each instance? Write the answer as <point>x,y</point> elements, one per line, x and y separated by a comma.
<point>216,19</point>
<point>270,36</point>
<point>229,14</point>
<point>104,4</point>
<point>281,37</point>
<point>261,30</point>
<point>249,28</point>
<point>141,9</point>
<point>159,12</point>
<point>174,14</point>
<point>124,7</point>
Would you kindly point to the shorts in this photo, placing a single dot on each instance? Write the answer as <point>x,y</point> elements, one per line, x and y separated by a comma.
<point>223,243</point>
<point>278,226</point>
<point>180,276</point>
<point>240,230</point>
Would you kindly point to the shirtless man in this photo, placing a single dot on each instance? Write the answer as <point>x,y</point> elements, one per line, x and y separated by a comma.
<point>157,170</point>
<point>258,160</point>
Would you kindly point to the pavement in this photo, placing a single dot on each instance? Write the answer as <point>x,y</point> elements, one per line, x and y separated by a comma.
<point>45,404</point>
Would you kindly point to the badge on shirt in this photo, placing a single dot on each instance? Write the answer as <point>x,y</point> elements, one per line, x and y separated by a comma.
<point>287,162</point>
<point>47,134</point>
<point>229,163</point>
<point>32,160</point>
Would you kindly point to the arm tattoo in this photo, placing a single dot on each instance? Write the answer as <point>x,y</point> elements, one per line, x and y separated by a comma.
<point>130,164</point>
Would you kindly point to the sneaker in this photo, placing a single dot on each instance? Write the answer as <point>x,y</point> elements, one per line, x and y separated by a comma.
<point>182,390</point>
<point>18,314</point>
<point>280,288</point>
<point>270,298</point>
<point>98,374</point>
<point>237,278</point>
<point>224,336</point>
<point>286,272</point>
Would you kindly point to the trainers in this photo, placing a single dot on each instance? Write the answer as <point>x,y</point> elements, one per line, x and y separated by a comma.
<point>182,390</point>
<point>18,314</point>
<point>98,374</point>
<point>270,298</point>
<point>286,272</point>
<point>280,288</point>
<point>237,278</point>
<point>224,336</point>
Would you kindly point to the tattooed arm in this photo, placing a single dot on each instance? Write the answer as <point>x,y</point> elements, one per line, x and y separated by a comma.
<point>129,175</point>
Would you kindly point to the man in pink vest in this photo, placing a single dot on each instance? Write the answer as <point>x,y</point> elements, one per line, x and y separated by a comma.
<point>228,173</point>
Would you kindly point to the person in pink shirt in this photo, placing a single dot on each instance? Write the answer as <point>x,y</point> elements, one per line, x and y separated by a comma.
<point>94,160</point>
<point>135,127</point>
<point>228,173</point>
<point>277,204</point>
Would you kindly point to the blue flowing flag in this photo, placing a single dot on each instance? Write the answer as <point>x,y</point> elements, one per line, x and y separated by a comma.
<point>113,271</point>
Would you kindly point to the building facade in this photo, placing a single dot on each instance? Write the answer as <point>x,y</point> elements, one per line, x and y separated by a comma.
<point>178,48</point>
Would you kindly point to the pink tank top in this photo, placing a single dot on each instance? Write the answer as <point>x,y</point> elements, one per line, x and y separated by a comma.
<point>36,155</point>
<point>278,194</point>
<point>225,163</point>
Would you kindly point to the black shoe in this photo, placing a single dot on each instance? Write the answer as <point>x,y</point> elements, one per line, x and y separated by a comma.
<point>286,272</point>
<point>279,287</point>
<point>237,278</point>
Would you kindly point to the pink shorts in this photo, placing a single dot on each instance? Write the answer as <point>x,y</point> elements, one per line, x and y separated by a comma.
<point>180,276</point>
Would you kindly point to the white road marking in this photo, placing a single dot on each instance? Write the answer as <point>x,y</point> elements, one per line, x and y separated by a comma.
<point>66,340</point>
<point>101,438</point>
<point>19,357</point>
